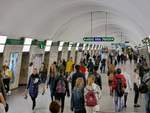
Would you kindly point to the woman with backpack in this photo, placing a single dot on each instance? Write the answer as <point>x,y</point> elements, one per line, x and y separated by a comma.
<point>33,86</point>
<point>61,88</point>
<point>78,103</point>
<point>92,95</point>
<point>119,86</point>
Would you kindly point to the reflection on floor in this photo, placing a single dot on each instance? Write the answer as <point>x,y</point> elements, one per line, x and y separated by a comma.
<point>19,105</point>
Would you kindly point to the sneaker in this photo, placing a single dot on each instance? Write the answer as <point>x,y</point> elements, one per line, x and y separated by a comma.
<point>125,106</point>
<point>136,105</point>
<point>9,92</point>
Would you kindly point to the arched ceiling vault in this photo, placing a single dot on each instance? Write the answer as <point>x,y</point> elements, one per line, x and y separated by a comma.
<point>66,19</point>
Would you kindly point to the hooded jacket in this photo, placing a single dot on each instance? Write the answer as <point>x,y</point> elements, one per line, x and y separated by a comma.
<point>119,76</point>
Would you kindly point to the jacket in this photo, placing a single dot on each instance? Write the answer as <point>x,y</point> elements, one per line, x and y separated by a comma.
<point>33,85</point>
<point>75,76</point>
<point>98,79</point>
<point>69,66</point>
<point>66,84</point>
<point>145,78</point>
<point>119,76</point>
<point>77,98</point>
<point>82,69</point>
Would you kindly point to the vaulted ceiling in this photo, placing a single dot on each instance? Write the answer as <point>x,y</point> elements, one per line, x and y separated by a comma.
<point>69,20</point>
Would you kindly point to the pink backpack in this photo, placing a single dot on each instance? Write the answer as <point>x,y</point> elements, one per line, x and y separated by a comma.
<point>91,100</point>
<point>60,87</point>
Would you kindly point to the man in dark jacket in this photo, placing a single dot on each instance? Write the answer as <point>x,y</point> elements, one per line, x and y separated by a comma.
<point>76,75</point>
<point>98,79</point>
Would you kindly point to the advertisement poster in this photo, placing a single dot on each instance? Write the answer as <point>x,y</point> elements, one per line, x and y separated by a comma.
<point>37,60</point>
<point>13,65</point>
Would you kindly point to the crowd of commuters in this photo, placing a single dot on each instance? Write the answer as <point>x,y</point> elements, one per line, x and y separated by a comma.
<point>85,81</point>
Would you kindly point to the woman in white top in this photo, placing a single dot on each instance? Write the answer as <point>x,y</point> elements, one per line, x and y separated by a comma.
<point>92,94</point>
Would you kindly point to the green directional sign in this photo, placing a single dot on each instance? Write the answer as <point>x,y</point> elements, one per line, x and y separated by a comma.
<point>108,39</point>
<point>98,39</point>
<point>88,39</point>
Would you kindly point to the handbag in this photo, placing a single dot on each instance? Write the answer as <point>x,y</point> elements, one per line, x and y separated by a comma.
<point>143,88</point>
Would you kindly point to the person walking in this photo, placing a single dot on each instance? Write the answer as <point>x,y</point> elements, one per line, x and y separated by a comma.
<point>98,79</point>
<point>33,86</point>
<point>51,80</point>
<point>78,103</point>
<point>6,79</point>
<point>77,75</point>
<point>146,80</point>
<point>92,95</point>
<point>61,88</point>
<point>119,86</point>
<point>43,73</point>
<point>128,85</point>
<point>136,87</point>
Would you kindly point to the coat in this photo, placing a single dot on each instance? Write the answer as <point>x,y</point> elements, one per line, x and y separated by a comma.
<point>69,66</point>
<point>33,85</point>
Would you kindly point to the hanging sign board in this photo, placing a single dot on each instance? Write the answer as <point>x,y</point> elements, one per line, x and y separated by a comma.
<point>98,39</point>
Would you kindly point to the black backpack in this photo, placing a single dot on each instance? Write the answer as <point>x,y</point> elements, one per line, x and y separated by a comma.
<point>143,88</point>
<point>120,90</point>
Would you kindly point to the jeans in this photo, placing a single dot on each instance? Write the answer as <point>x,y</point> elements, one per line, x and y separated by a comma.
<point>118,103</point>
<point>147,102</point>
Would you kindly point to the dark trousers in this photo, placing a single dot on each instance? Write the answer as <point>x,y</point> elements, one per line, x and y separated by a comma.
<point>80,110</point>
<point>6,82</point>
<point>136,97</point>
<point>125,98</point>
<point>33,101</point>
<point>60,97</point>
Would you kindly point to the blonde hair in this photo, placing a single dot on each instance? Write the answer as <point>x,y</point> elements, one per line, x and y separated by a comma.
<point>90,80</point>
<point>79,83</point>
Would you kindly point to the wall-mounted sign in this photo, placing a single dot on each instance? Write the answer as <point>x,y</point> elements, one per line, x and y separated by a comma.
<point>98,39</point>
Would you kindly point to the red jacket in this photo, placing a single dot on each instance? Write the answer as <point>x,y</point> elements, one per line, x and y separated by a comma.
<point>121,76</point>
<point>82,69</point>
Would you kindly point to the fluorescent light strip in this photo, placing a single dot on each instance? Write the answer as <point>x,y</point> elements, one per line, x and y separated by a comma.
<point>2,48</point>
<point>47,48</point>
<point>70,46</point>
<point>26,48</point>
<point>83,46</point>
<point>3,39</point>
<point>28,41</point>
<point>48,42</point>
<point>60,46</point>
<point>88,47</point>
<point>77,46</point>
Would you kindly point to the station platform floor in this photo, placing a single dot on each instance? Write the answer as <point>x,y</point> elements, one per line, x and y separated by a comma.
<point>18,104</point>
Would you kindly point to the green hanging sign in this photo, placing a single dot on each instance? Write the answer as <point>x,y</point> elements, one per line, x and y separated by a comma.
<point>98,39</point>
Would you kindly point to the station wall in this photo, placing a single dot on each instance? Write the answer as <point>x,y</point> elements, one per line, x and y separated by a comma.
<point>12,57</point>
<point>19,61</point>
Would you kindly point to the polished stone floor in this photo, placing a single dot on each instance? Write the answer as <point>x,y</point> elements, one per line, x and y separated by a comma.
<point>18,104</point>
